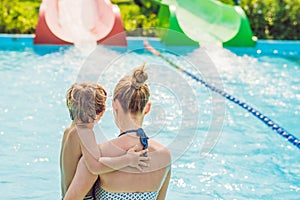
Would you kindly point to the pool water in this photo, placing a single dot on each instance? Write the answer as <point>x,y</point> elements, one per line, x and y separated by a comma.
<point>249,161</point>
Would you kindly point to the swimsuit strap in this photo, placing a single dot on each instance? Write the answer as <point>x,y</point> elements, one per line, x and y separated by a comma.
<point>143,137</point>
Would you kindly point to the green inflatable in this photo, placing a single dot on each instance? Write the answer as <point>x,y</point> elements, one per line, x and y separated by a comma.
<point>194,22</point>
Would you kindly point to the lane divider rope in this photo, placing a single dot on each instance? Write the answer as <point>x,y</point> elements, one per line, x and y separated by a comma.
<point>266,120</point>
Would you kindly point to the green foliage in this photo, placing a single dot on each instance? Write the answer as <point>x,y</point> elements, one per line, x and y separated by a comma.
<point>137,15</point>
<point>18,16</point>
<point>229,2</point>
<point>274,19</point>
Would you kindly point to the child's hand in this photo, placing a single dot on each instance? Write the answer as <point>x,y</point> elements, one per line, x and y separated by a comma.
<point>136,159</point>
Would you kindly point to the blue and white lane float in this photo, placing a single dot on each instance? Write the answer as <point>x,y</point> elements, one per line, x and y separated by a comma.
<point>263,118</point>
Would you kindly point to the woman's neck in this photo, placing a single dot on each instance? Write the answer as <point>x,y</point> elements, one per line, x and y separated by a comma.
<point>130,123</point>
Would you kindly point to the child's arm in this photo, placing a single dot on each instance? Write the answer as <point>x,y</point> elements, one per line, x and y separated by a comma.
<point>132,159</point>
<point>100,165</point>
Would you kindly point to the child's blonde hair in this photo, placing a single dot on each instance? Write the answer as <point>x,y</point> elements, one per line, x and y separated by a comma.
<point>132,91</point>
<point>85,101</point>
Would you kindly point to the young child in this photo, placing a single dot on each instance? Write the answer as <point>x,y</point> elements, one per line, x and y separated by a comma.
<point>86,104</point>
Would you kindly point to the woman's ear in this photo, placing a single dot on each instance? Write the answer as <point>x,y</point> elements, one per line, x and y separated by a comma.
<point>147,108</point>
<point>114,105</point>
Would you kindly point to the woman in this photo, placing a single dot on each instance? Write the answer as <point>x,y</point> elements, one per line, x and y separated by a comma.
<point>130,105</point>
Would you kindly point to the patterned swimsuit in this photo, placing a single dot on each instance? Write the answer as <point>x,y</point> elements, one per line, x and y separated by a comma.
<point>101,194</point>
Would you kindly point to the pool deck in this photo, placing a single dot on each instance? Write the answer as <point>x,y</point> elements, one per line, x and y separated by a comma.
<point>289,48</point>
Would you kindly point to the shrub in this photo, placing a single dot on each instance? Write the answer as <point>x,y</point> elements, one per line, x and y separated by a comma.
<point>18,16</point>
<point>138,14</point>
<point>273,19</point>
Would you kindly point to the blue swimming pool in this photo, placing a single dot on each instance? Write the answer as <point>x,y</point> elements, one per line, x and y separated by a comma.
<point>249,160</point>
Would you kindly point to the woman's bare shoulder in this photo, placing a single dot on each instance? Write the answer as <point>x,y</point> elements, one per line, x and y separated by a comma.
<point>159,149</point>
<point>157,146</point>
<point>113,147</point>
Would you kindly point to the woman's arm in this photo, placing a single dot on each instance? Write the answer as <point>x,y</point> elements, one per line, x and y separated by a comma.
<point>100,165</point>
<point>163,190</point>
<point>81,183</point>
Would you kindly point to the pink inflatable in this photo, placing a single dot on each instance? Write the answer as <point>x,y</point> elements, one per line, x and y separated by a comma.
<point>65,22</point>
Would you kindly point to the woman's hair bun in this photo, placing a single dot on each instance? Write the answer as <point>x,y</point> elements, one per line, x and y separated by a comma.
<point>139,77</point>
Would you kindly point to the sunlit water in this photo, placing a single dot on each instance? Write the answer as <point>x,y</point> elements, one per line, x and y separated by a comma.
<point>250,161</point>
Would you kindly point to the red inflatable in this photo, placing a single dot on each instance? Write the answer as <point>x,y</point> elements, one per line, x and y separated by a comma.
<point>64,22</point>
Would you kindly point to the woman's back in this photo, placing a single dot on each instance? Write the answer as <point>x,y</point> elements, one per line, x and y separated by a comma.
<point>131,180</point>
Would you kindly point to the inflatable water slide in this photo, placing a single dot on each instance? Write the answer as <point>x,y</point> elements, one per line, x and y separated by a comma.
<point>194,22</point>
<point>181,22</point>
<point>65,22</point>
